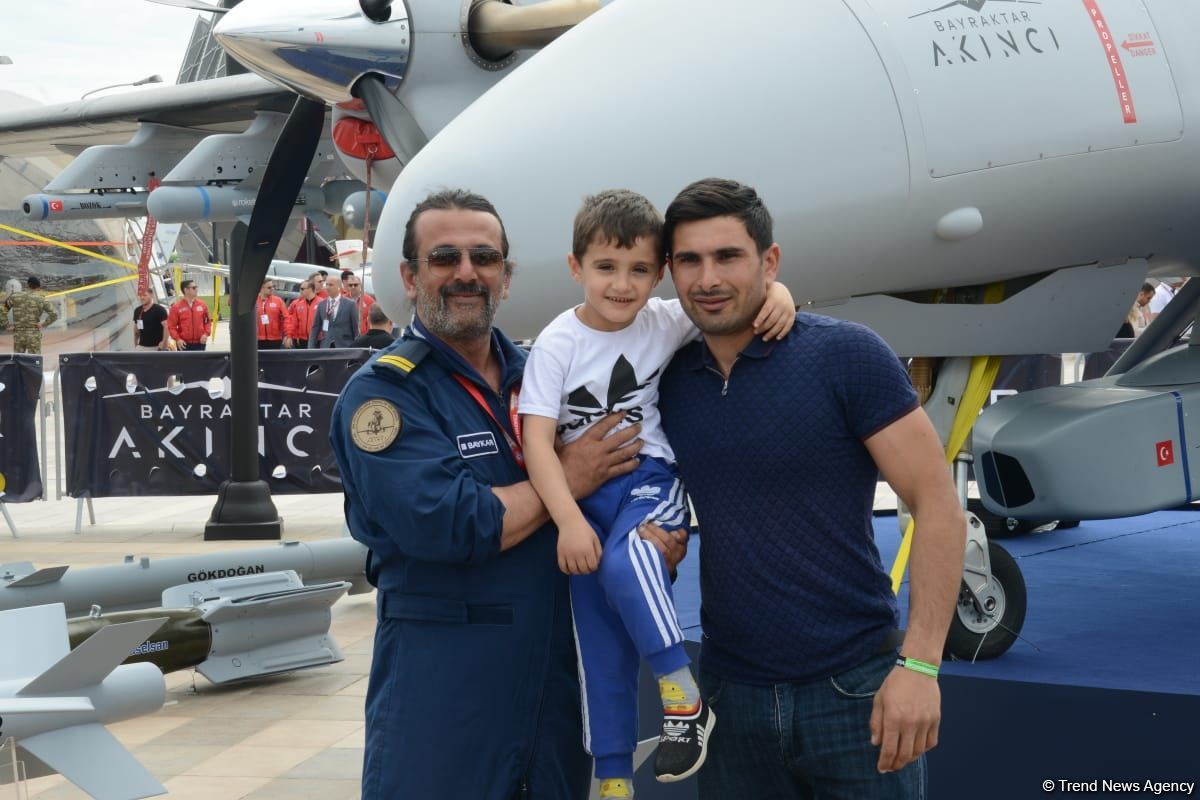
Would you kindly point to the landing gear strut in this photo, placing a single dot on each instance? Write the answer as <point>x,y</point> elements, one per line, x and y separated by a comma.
<point>991,602</point>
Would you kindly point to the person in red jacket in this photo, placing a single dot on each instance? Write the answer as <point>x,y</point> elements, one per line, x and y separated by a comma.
<point>300,316</point>
<point>363,300</point>
<point>188,322</point>
<point>271,317</point>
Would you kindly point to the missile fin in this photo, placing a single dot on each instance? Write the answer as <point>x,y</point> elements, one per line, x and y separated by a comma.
<point>41,576</point>
<point>92,759</point>
<point>41,632</point>
<point>303,598</point>
<point>93,660</point>
<point>13,706</point>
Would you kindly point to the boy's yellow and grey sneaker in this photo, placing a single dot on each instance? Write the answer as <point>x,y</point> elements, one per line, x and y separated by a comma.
<point>683,745</point>
<point>616,788</point>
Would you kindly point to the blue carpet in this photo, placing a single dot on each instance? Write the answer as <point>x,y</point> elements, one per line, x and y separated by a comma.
<point>1112,604</point>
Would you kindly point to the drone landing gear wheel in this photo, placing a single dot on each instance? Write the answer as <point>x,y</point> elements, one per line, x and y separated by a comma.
<point>986,627</point>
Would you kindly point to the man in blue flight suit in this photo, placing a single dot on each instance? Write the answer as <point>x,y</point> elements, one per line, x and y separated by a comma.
<point>473,690</point>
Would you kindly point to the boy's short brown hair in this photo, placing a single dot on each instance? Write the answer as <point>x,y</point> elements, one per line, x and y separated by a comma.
<point>618,216</point>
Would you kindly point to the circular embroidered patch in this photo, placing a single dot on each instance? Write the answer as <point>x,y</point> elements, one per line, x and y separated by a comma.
<point>375,425</point>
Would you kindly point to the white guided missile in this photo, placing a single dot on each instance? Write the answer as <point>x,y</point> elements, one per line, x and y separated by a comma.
<point>58,207</point>
<point>232,629</point>
<point>227,203</point>
<point>140,583</point>
<point>55,701</point>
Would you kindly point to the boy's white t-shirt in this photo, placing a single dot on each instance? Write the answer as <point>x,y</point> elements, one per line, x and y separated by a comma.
<point>578,375</point>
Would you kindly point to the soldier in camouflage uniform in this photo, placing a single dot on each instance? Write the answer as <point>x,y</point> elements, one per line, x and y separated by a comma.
<point>27,308</point>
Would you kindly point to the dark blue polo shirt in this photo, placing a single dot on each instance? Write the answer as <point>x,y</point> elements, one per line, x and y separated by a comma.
<point>792,587</point>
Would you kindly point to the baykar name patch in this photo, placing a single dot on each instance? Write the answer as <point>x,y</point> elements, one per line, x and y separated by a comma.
<point>483,443</point>
<point>375,425</point>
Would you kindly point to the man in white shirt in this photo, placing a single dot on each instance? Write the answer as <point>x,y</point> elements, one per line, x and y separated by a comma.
<point>1166,289</point>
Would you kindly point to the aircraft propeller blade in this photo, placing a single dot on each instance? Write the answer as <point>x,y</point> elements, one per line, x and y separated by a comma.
<point>376,10</point>
<point>397,124</point>
<point>286,170</point>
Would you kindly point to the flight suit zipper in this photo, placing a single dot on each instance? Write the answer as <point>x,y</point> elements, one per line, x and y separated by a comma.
<point>537,718</point>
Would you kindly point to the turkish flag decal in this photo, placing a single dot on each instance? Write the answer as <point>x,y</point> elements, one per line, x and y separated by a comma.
<point>1165,453</point>
<point>56,205</point>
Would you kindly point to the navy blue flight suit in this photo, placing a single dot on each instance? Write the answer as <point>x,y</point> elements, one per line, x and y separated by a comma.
<point>473,693</point>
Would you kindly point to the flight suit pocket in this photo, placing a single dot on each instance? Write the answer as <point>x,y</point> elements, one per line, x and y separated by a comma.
<point>423,608</point>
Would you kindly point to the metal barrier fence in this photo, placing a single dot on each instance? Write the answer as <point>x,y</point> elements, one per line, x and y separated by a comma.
<point>158,424</point>
<point>21,478</point>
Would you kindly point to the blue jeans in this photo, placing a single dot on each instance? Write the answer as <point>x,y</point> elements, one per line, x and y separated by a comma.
<point>801,740</point>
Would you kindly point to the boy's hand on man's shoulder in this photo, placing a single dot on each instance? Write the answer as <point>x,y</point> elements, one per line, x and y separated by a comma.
<point>777,315</point>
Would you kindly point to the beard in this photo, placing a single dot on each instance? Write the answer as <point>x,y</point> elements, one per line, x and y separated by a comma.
<point>433,308</point>
<point>737,317</point>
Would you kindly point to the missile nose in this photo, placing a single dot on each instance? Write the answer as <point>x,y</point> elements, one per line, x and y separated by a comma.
<point>318,48</point>
<point>35,207</point>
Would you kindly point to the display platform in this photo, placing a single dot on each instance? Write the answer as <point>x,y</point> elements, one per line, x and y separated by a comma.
<point>1103,685</point>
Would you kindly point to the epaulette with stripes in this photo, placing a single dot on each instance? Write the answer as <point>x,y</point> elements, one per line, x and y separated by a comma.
<point>397,363</point>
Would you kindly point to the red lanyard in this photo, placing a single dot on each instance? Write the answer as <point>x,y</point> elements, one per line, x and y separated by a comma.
<point>513,417</point>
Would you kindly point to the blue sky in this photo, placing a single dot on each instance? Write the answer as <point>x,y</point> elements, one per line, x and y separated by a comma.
<point>64,48</point>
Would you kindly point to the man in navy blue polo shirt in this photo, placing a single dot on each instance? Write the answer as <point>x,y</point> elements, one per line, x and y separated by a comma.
<point>780,445</point>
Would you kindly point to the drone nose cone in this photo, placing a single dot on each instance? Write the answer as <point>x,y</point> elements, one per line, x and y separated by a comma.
<point>318,48</point>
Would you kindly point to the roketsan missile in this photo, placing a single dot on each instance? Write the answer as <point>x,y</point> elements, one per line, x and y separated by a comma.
<point>232,629</point>
<point>140,582</point>
<point>55,701</point>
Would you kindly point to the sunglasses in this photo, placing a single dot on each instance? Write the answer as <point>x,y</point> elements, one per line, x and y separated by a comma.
<point>450,257</point>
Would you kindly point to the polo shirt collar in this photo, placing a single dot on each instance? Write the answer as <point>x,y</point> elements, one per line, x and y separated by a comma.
<point>701,357</point>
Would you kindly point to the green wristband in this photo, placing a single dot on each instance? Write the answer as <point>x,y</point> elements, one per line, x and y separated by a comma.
<point>918,666</point>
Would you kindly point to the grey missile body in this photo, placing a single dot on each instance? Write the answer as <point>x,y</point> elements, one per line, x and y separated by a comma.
<point>209,203</point>
<point>226,203</point>
<point>233,629</point>
<point>140,583</point>
<point>56,207</point>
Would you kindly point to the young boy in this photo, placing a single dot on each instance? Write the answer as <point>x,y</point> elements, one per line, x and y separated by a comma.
<point>603,356</point>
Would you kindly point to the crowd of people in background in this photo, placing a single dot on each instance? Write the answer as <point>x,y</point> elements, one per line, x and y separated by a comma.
<point>315,319</point>
<point>330,311</point>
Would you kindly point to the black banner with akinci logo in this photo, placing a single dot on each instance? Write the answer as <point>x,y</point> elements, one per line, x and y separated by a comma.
<point>150,423</point>
<point>20,383</point>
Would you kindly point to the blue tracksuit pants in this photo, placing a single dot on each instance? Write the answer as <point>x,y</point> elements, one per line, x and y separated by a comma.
<point>624,611</point>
